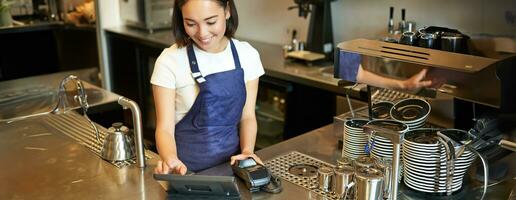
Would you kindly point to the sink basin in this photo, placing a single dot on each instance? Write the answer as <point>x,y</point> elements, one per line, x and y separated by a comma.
<point>28,101</point>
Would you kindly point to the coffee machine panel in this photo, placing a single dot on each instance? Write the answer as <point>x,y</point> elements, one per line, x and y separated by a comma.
<point>481,87</point>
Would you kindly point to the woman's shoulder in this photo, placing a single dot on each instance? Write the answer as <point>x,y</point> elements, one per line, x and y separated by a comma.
<point>245,47</point>
<point>173,58</point>
<point>173,51</point>
<point>173,54</point>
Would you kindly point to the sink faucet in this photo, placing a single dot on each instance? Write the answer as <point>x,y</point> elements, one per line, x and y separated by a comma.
<point>81,98</point>
<point>137,122</point>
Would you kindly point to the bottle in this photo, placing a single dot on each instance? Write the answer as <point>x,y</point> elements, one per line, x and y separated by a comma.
<point>295,42</point>
<point>390,25</point>
<point>402,26</point>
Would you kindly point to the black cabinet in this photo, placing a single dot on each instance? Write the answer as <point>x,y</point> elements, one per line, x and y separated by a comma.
<point>286,109</point>
<point>26,54</point>
<point>46,49</point>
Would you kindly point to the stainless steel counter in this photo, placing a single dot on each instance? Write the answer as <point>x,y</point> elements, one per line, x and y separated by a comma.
<point>41,162</point>
<point>38,94</point>
<point>323,145</point>
<point>51,156</point>
<point>272,59</point>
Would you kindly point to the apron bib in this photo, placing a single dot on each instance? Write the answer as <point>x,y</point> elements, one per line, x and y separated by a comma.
<point>208,134</point>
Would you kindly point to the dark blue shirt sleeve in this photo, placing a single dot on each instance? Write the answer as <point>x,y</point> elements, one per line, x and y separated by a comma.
<point>348,65</point>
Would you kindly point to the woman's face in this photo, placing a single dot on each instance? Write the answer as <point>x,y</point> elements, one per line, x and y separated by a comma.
<point>205,23</point>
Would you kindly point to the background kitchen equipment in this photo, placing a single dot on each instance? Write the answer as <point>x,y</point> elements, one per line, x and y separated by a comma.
<point>403,26</point>
<point>22,8</point>
<point>150,15</point>
<point>441,38</point>
<point>320,29</point>
<point>408,38</point>
<point>461,73</point>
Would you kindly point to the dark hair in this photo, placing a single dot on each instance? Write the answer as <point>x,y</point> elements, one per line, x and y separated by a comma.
<point>178,27</point>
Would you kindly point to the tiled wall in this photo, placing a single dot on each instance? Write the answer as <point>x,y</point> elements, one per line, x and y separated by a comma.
<point>368,18</point>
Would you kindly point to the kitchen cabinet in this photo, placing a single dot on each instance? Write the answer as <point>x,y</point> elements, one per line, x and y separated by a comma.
<point>285,109</point>
<point>46,48</point>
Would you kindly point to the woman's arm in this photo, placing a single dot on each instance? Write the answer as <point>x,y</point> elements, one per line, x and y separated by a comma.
<point>414,82</point>
<point>248,124</point>
<point>164,100</point>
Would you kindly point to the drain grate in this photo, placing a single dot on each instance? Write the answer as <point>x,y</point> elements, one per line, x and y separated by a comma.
<point>283,165</point>
<point>77,127</point>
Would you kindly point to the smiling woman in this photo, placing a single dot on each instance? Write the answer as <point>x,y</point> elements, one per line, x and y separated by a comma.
<point>205,88</point>
<point>203,23</point>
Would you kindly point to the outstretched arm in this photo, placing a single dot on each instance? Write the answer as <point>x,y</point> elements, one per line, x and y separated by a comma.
<point>414,82</point>
<point>164,99</point>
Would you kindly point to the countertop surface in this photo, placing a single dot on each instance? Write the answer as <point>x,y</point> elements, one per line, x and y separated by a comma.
<point>38,25</point>
<point>275,65</point>
<point>41,160</point>
<point>322,144</point>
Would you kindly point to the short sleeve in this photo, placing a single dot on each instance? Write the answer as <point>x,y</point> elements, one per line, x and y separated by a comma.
<point>253,67</point>
<point>348,66</point>
<point>163,75</point>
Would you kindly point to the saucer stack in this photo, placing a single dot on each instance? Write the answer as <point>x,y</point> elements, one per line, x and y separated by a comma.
<point>382,109</point>
<point>413,112</point>
<point>424,160</point>
<point>354,139</point>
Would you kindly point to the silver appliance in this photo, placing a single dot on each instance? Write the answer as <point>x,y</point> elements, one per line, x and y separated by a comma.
<point>147,14</point>
<point>482,81</point>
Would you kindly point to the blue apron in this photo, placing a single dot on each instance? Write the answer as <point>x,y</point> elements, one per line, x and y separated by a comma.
<point>208,134</point>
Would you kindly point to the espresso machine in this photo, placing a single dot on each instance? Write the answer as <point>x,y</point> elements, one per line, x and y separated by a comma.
<point>320,30</point>
<point>481,87</point>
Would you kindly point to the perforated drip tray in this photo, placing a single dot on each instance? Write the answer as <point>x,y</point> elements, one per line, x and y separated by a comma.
<point>300,169</point>
<point>77,127</point>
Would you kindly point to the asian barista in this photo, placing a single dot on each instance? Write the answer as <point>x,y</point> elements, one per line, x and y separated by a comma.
<point>205,88</point>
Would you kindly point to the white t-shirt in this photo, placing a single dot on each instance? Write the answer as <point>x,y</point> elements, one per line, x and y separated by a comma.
<point>172,70</point>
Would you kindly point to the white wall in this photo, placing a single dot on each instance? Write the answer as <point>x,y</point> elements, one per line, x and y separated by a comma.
<point>268,20</point>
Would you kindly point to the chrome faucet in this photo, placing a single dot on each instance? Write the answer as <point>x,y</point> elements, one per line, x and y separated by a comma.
<point>137,122</point>
<point>81,98</point>
<point>126,103</point>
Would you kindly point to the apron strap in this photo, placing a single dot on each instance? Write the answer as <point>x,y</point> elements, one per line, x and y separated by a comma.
<point>194,67</point>
<point>235,55</point>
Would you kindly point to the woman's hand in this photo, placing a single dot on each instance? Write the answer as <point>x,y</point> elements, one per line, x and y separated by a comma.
<point>416,81</point>
<point>244,156</point>
<point>174,166</point>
